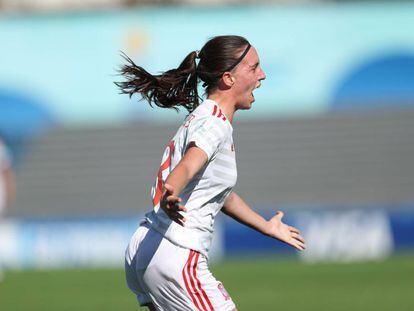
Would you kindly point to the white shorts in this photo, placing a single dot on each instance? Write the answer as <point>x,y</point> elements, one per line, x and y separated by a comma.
<point>171,277</point>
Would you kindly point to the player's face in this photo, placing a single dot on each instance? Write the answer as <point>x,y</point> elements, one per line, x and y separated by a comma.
<point>247,76</point>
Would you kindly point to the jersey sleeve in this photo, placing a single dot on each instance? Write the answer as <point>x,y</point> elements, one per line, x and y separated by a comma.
<point>208,134</point>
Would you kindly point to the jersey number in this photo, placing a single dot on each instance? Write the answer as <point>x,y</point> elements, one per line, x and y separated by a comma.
<point>165,165</point>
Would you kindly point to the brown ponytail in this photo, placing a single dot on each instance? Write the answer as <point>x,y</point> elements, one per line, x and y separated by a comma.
<point>171,89</point>
<point>178,87</point>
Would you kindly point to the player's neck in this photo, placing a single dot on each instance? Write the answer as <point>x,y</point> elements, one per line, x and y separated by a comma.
<point>226,104</point>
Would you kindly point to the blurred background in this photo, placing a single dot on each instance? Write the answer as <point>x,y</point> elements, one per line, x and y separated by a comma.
<point>329,140</point>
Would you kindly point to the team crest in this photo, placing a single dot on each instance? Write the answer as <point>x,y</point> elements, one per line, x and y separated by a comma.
<point>223,291</point>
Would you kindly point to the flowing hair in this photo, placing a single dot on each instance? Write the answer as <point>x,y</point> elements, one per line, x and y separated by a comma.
<point>179,87</point>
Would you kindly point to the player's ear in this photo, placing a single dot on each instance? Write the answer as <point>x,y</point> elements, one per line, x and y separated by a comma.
<point>228,79</point>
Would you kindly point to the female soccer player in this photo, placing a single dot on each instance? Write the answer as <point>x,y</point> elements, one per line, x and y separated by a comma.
<point>166,260</point>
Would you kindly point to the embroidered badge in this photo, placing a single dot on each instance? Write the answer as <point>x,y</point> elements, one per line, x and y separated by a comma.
<point>223,291</point>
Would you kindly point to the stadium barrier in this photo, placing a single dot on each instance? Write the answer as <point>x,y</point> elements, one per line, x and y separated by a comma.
<point>332,235</point>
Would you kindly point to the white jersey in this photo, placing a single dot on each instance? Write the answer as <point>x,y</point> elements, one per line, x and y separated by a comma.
<point>204,195</point>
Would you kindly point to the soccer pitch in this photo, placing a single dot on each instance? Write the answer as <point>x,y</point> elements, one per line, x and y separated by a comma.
<point>260,284</point>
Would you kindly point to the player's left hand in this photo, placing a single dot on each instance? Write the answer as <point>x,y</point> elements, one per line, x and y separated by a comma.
<point>285,233</point>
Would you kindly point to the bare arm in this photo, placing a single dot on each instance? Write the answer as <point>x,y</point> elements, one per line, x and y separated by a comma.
<point>235,207</point>
<point>194,159</point>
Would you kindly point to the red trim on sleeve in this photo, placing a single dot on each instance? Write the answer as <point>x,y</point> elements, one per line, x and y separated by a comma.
<point>214,110</point>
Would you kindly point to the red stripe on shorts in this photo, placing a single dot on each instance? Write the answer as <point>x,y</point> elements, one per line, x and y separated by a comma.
<point>187,268</point>
<point>192,280</point>
<point>199,283</point>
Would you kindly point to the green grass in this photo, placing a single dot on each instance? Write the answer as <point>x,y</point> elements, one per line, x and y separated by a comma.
<point>264,284</point>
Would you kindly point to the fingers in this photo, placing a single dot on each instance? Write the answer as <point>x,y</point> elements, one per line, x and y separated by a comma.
<point>298,237</point>
<point>287,234</point>
<point>298,241</point>
<point>172,203</point>
<point>298,245</point>
<point>293,229</point>
<point>172,209</point>
<point>177,217</point>
<point>168,189</point>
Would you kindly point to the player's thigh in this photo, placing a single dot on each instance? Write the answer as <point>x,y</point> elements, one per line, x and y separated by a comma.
<point>206,292</point>
<point>163,277</point>
<point>173,278</point>
<point>134,276</point>
<point>153,267</point>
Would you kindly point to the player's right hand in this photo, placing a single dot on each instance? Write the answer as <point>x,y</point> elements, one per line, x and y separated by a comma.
<point>170,203</point>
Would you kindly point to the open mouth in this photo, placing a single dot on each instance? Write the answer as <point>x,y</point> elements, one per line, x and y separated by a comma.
<point>256,87</point>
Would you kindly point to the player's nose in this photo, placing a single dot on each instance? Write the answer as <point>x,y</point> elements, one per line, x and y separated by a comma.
<point>262,75</point>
